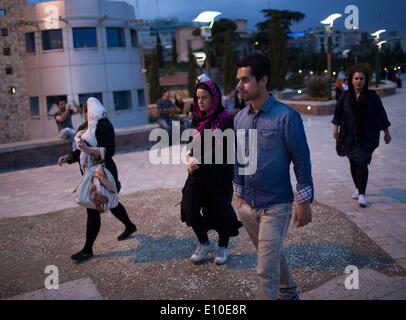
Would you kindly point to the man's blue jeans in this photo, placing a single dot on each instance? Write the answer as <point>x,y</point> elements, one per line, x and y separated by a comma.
<point>267,229</point>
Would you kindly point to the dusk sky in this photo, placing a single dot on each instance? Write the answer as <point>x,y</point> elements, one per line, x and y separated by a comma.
<point>373,14</point>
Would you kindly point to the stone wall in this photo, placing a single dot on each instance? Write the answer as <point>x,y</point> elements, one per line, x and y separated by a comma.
<point>14,108</point>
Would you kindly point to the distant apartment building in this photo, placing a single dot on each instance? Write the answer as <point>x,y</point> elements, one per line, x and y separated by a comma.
<point>316,39</point>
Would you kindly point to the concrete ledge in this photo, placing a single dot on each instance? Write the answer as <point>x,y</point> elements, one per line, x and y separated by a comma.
<point>314,108</point>
<point>41,152</point>
<point>322,108</point>
<point>387,89</point>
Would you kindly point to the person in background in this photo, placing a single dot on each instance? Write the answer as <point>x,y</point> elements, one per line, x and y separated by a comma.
<point>179,113</point>
<point>359,117</point>
<point>63,118</point>
<point>339,87</point>
<point>233,102</point>
<point>165,110</point>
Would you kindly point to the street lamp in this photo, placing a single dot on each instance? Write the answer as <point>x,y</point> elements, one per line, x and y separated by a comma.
<point>205,31</point>
<point>328,22</point>
<point>200,57</point>
<point>379,44</point>
<point>345,55</point>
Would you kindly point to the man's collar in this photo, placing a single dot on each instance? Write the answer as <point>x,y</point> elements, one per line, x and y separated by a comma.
<point>267,107</point>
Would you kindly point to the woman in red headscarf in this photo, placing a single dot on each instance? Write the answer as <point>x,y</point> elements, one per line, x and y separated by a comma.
<point>207,194</point>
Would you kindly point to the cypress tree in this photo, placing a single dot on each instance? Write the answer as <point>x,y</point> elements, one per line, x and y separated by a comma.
<point>153,80</point>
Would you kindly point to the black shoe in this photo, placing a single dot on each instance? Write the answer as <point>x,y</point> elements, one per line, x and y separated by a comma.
<point>82,256</point>
<point>127,232</point>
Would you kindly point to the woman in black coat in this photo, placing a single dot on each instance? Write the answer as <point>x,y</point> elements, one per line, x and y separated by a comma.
<point>358,119</point>
<point>207,194</point>
<point>96,133</point>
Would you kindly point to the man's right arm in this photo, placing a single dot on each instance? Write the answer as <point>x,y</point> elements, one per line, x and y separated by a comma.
<point>64,115</point>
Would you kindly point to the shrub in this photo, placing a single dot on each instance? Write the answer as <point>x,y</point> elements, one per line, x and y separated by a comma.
<point>295,79</point>
<point>317,86</point>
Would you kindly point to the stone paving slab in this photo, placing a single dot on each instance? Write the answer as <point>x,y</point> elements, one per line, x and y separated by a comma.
<point>372,286</point>
<point>81,289</point>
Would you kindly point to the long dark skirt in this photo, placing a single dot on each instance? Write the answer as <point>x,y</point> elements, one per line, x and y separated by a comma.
<point>206,200</point>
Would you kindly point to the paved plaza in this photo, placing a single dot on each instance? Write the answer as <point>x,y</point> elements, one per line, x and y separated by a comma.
<point>40,195</point>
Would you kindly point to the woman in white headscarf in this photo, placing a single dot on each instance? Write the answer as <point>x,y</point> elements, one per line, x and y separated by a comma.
<point>95,134</point>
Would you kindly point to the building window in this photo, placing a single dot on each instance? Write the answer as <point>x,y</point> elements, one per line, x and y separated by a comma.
<point>122,100</point>
<point>115,37</point>
<point>141,97</point>
<point>4,32</point>
<point>30,42</point>
<point>52,39</point>
<point>34,106</point>
<point>9,70</point>
<point>52,103</point>
<point>2,12</point>
<point>84,37</point>
<point>84,96</point>
<point>134,38</point>
<point>6,51</point>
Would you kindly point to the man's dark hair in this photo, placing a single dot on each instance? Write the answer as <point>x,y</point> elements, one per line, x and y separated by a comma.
<point>165,90</point>
<point>259,64</point>
<point>59,100</point>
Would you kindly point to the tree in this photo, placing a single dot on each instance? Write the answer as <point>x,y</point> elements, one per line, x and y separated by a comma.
<point>153,80</point>
<point>222,29</point>
<point>229,64</point>
<point>192,73</point>
<point>219,31</point>
<point>272,32</point>
<point>159,52</point>
<point>174,52</point>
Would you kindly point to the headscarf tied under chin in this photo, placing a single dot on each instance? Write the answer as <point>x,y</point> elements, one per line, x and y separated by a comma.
<point>216,117</point>
<point>95,112</point>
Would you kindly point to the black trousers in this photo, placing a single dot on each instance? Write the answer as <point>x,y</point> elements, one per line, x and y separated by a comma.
<point>201,234</point>
<point>94,222</point>
<point>359,173</point>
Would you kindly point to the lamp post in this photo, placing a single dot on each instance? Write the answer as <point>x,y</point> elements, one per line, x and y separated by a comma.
<point>328,22</point>
<point>378,43</point>
<point>205,32</point>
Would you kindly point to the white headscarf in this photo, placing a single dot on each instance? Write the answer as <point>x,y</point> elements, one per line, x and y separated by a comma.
<point>95,112</point>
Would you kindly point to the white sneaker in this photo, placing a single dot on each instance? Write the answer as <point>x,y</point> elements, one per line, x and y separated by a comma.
<point>222,255</point>
<point>355,195</point>
<point>200,252</point>
<point>361,201</point>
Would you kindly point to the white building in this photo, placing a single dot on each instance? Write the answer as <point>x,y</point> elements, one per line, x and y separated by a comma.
<point>82,48</point>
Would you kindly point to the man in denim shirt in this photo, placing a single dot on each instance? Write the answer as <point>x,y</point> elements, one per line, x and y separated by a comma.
<point>264,197</point>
